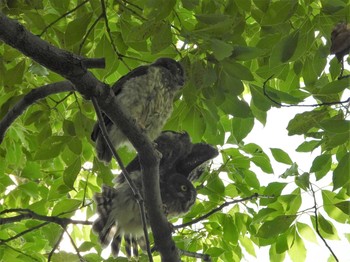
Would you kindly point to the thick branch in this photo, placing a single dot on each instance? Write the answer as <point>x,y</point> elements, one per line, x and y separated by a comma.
<point>29,99</point>
<point>71,67</point>
<point>29,214</point>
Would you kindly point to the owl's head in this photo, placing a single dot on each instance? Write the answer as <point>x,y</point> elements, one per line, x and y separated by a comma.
<point>174,68</point>
<point>178,194</point>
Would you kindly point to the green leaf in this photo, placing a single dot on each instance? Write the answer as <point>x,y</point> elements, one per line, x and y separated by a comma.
<point>68,127</point>
<point>289,46</point>
<point>230,230</point>
<point>259,99</point>
<point>278,12</point>
<point>344,206</point>
<point>76,29</point>
<point>306,232</point>
<point>71,172</point>
<point>303,122</point>
<point>214,251</point>
<point>237,70</point>
<point>320,162</point>
<point>65,206</point>
<point>297,252</point>
<point>248,245</point>
<point>273,228</point>
<point>14,75</point>
<point>334,87</point>
<point>230,85</point>
<point>325,225</point>
<point>31,170</point>
<point>330,199</point>
<point>51,147</point>
<point>336,126</point>
<point>274,189</point>
<point>221,50</point>
<point>341,172</point>
<point>241,127</point>
<point>30,188</point>
<point>161,39</point>
<point>193,123</point>
<point>303,181</point>
<point>76,146</point>
<point>281,156</point>
<point>243,53</point>
<point>308,146</point>
<point>236,107</point>
<point>263,162</point>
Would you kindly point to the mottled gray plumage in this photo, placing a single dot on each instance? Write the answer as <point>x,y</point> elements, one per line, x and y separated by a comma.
<point>146,94</point>
<point>119,213</point>
<point>179,155</point>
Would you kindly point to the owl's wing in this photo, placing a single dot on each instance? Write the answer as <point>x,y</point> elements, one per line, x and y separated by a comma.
<point>193,165</point>
<point>172,145</point>
<point>117,87</point>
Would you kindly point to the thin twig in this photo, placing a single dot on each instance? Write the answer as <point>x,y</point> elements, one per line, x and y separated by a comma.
<point>88,33</point>
<point>225,204</point>
<point>62,16</point>
<point>316,225</point>
<point>104,13</point>
<point>134,189</point>
<point>298,105</point>
<point>2,241</point>
<point>74,245</point>
<point>29,214</point>
<point>22,253</point>
<point>203,257</point>
<point>55,246</point>
<point>132,11</point>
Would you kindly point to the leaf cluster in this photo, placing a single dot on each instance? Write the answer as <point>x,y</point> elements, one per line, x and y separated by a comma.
<point>228,49</point>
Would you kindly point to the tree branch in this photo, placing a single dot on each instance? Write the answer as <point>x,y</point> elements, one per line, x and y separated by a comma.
<point>74,245</point>
<point>298,105</point>
<point>29,99</point>
<point>71,67</point>
<point>225,204</point>
<point>125,173</point>
<point>203,257</point>
<point>29,214</point>
<point>55,246</point>
<point>62,16</point>
<point>316,225</point>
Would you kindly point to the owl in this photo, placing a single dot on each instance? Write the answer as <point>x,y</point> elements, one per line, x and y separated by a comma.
<point>119,213</point>
<point>146,94</point>
<point>340,40</point>
<point>118,210</point>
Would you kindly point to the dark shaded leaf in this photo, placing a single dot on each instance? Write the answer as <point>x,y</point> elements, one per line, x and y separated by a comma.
<point>273,228</point>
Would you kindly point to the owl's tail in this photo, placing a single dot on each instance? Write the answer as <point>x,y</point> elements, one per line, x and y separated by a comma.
<point>104,226</point>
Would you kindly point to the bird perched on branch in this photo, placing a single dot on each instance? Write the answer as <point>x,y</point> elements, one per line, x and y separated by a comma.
<point>340,42</point>
<point>340,38</point>
<point>117,207</point>
<point>146,94</point>
<point>119,213</point>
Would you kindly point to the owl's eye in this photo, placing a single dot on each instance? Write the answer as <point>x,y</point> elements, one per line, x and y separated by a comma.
<point>183,188</point>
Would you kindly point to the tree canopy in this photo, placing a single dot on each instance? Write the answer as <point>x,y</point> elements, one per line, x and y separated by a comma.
<point>242,58</point>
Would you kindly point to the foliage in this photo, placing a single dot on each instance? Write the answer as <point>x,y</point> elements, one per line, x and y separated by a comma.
<point>228,48</point>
